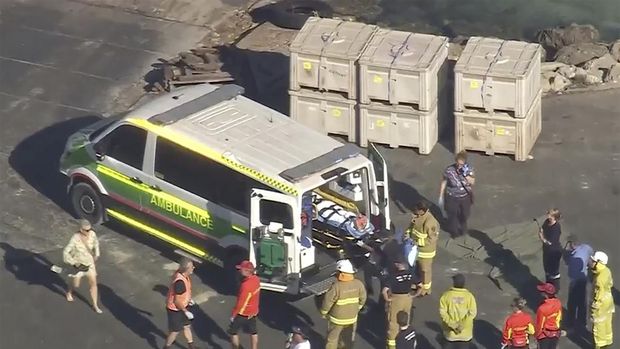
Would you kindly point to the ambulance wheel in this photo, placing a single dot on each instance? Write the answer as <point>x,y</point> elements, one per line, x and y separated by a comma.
<point>86,203</point>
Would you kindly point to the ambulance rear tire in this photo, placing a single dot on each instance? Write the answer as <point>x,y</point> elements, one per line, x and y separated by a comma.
<point>87,203</point>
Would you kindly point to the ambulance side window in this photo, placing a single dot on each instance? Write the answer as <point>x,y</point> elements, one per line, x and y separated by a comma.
<point>273,211</point>
<point>125,144</point>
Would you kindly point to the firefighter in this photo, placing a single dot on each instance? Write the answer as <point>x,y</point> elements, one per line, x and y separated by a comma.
<point>397,296</point>
<point>457,309</point>
<point>518,327</point>
<point>602,307</point>
<point>548,317</point>
<point>341,305</point>
<point>424,231</point>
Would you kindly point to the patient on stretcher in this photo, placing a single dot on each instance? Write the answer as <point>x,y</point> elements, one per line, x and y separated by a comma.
<point>351,224</point>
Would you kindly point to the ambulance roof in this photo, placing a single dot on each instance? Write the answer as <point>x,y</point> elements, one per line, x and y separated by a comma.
<point>242,130</point>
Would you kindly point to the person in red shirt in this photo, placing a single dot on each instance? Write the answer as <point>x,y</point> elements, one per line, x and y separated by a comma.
<point>245,311</point>
<point>548,317</point>
<point>518,327</point>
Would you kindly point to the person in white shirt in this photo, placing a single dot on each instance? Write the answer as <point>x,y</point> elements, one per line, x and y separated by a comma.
<point>298,339</point>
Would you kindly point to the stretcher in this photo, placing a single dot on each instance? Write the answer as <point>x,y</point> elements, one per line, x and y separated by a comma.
<point>333,225</point>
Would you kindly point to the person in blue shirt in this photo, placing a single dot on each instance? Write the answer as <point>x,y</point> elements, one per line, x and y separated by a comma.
<point>576,257</point>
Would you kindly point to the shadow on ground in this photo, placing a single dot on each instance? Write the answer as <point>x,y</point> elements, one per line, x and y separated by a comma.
<point>33,269</point>
<point>36,158</point>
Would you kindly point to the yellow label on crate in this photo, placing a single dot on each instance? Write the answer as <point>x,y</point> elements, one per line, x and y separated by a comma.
<point>380,123</point>
<point>377,79</point>
<point>307,65</point>
<point>500,131</point>
<point>474,84</point>
<point>336,113</point>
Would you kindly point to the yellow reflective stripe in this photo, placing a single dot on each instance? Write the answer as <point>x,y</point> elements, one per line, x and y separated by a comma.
<point>345,301</point>
<point>239,229</point>
<point>157,194</point>
<point>161,235</point>
<point>343,322</point>
<point>191,144</point>
<point>427,254</point>
<point>427,286</point>
<point>391,342</point>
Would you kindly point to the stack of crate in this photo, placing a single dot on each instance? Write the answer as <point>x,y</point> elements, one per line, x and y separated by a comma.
<point>402,76</point>
<point>497,97</point>
<point>324,74</point>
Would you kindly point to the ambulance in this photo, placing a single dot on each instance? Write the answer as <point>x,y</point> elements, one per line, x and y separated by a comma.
<point>223,178</point>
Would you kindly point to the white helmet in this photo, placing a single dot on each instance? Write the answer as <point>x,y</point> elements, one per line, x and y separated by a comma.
<point>601,257</point>
<point>345,266</point>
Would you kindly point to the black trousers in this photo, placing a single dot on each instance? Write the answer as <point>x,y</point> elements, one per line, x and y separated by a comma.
<point>551,265</point>
<point>548,343</point>
<point>458,210</point>
<point>577,304</point>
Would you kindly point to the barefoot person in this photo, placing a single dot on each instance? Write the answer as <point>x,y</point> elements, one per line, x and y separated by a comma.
<point>82,252</point>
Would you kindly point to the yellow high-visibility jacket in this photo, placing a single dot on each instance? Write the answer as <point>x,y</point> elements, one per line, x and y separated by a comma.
<point>424,230</point>
<point>457,308</point>
<point>602,307</point>
<point>343,301</point>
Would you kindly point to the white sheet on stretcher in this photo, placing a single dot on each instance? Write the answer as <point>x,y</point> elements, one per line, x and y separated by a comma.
<point>335,215</point>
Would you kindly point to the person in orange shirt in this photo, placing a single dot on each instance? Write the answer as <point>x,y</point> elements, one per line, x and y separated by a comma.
<point>178,302</point>
<point>518,327</point>
<point>246,310</point>
<point>548,317</point>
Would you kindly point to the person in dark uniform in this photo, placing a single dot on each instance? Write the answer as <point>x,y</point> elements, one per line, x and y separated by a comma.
<point>406,338</point>
<point>549,234</point>
<point>398,297</point>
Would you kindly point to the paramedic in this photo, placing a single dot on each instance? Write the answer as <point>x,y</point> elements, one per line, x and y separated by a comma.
<point>406,338</point>
<point>549,235</point>
<point>456,189</point>
<point>548,317</point>
<point>424,231</point>
<point>246,310</point>
<point>341,305</point>
<point>457,309</point>
<point>602,307</point>
<point>397,296</point>
<point>518,327</point>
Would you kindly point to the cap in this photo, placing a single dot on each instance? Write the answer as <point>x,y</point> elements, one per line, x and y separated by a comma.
<point>600,256</point>
<point>245,265</point>
<point>85,224</point>
<point>300,331</point>
<point>547,288</point>
<point>345,266</point>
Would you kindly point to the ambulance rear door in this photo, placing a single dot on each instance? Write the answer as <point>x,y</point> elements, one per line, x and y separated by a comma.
<point>274,232</point>
<point>382,195</point>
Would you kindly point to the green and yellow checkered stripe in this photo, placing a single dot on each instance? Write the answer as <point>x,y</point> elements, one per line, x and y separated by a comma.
<point>259,176</point>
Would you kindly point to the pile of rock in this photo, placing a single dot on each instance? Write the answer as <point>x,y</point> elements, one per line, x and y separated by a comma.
<point>576,58</point>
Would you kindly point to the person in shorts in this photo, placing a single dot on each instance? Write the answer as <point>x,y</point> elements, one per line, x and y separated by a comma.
<point>178,301</point>
<point>246,309</point>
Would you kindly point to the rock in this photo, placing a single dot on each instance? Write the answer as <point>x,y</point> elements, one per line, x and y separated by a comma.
<point>593,79</point>
<point>553,39</point>
<point>604,62</point>
<point>577,54</point>
<point>614,49</point>
<point>559,83</point>
<point>551,66</point>
<point>613,74</point>
<point>567,71</point>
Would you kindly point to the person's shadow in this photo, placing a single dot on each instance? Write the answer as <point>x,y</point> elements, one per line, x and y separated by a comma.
<point>487,335</point>
<point>33,269</point>
<point>277,312</point>
<point>208,328</point>
<point>135,319</point>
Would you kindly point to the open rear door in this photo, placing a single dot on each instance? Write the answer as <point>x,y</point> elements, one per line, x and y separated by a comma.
<point>274,232</point>
<point>381,176</point>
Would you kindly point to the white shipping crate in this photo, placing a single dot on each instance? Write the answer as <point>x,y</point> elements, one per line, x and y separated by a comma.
<point>399,125</point>
<point>403,68</point>
<point>498,133</point>
<point>329,113</point>
<point>497,75</point>
<point>324,55</point>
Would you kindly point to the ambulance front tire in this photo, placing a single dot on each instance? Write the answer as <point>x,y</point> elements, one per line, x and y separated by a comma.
<point>86,203</point>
